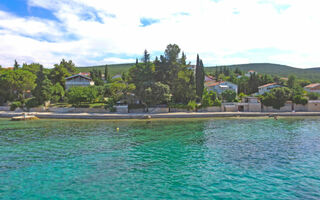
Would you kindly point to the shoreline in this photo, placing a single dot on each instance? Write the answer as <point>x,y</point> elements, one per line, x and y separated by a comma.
<point>174,115</point>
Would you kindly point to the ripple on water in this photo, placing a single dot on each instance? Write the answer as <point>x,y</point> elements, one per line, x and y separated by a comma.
<point>167,159</point>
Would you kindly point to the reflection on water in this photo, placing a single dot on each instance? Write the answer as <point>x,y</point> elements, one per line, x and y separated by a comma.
<point>168,159</point>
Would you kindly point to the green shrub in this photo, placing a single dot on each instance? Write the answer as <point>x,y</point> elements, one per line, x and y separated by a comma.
<point>15,105</point>
<point>300,100</point>
<point>313,95</point>
<point>217,102</point>
<point>192,105</point>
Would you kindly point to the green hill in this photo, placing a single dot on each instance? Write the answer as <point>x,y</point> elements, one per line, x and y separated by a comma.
<point>312,74</point>
<point>113,69</point>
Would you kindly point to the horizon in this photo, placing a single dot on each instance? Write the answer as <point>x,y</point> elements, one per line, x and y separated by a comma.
<point>222,32</point>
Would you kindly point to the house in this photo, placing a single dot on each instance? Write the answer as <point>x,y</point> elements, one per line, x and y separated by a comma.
<point>78,80</point>
<point>219,87</point>
<point>314,87</point>
<point>208,78</point>
<point>117,76</point>
<point>250,72</point>
<point>267,87</point>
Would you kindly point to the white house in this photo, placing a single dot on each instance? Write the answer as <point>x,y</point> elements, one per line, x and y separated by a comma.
<point>219,87</point>
<point>250,72</point>
<point>267,87</point>
<point>78,80</point>
<point>314,87</point>
<point>116,76</point>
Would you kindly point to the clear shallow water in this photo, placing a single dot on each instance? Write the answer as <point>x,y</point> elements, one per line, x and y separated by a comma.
<point>161,159</point>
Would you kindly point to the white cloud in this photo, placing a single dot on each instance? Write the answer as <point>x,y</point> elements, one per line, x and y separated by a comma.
<point>97,31</point>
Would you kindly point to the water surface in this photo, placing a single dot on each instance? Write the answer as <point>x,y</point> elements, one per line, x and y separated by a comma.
<point>161,159</point>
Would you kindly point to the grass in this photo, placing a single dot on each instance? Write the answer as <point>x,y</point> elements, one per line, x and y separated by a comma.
<point>113,69</point>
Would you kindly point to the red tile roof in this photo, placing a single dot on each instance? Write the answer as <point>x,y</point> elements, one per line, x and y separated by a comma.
<point>266,85</point>
<point>214,84</point>
<point>312,85</point>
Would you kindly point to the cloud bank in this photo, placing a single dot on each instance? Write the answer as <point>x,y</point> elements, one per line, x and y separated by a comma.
<point>223,32</point>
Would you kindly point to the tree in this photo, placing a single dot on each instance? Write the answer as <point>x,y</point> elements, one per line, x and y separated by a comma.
<point>292,81</point>
<point>77,95</point>
<point>298,99</point>
<point>58,75</point>
<point>106,74</point>
<point>70,66</point>
<point>43,91</point>
<point>146,57</point>
<point>33,67</point>
<point>157,93</point>
<point>118,89</point>
<point>229,95</point>
<point>57,93</point>
<point>277,97</point>
<point>16,65</point>
<point>199,77</point>
<point>313,95</point>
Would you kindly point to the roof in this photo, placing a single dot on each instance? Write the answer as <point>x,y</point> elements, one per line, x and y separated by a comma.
<point>251,71</point>
<point>76,75</point>
<point>312,85</point>
<point>267,85</point>
<point>214,84</point>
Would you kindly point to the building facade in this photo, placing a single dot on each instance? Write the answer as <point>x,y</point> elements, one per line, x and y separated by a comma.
<point>266,88</point>
<point>314,87</point>
<point>220,87</point>
<point>78,80</point>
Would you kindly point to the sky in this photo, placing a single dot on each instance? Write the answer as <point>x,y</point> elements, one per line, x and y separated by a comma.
<point>98,32</point>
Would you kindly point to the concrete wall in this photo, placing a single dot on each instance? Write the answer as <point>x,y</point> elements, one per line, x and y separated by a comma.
<point>210,109</point>
<point>286,108</point>
<point>300,108</point>
<point>4,108</point>
<point>122,109</point>
<point>158,110</point>
<point>138,110</point>
<point>254,107</point>
<point>314,106</point>
<point>230,108</point>
<point>179,110</point>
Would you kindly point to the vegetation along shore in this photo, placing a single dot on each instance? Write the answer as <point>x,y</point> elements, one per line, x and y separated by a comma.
<point>167,84</point>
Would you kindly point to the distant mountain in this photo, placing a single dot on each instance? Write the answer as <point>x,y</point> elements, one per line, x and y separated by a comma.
<point>312,74</point>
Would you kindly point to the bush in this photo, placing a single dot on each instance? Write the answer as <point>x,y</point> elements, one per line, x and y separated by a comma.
<point>313,95</point>
<point>229,95</point>
<point>192,105</point>
<point>31,103</point>
<point>217,102</point>
<point>15,105</point>
<point>300,100</point>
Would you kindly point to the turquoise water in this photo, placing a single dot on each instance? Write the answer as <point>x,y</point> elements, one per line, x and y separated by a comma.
<point>160,159</point>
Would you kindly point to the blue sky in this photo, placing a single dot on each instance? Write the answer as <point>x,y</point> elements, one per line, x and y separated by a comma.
<point>106,31</point>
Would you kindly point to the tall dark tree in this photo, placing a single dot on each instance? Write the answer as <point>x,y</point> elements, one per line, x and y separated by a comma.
<point>146,57</point>
<point>43,90</point>
<point>199,77</point>
<point>16,65</point>
<point>106,73</point>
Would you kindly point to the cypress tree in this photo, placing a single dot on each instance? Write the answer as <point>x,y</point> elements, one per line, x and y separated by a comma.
<point>106,73</point>
<point>199,77</point>
<point>16,65</point>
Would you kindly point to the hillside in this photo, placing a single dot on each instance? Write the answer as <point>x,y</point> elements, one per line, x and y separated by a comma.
<point>312,74</point>
<point>113,69</point>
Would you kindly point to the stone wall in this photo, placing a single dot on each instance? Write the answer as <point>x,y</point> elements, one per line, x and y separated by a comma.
<point>158,110</point>
<point>286,108</point>
<point>254,107</point>
<point>4,108</point>
<point>178,110</point>
<point>313,106</point>
<point>137,110</point>
<point>122,109</point>
<point>230,108</point>
<point>210,109</point>
<point>300,108</point>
